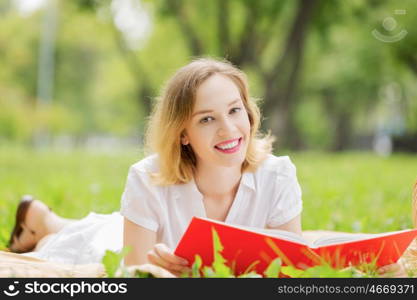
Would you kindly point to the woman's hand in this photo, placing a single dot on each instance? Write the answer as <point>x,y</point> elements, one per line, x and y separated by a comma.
<point>393,270</point>
<point>163,257</point>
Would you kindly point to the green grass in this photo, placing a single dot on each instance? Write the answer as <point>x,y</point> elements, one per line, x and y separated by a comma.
<point>356,192</point>
<point>347,192</point>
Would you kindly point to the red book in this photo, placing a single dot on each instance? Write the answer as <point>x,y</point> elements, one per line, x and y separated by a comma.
<point>243,246</point>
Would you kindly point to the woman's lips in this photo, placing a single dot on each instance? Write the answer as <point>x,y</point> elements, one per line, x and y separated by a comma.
<point>230,150</point>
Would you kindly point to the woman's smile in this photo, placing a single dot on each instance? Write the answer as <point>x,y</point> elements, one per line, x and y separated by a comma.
<point>230,146</point>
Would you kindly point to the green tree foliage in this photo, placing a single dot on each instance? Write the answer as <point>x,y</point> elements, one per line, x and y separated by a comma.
<point>315,64</point>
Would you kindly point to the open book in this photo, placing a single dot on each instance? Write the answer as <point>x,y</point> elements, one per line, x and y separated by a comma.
<point>244,246</point>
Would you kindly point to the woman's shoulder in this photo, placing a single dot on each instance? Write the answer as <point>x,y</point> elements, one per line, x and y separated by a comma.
<point>142,172</point>
<point>280,166</point>
<point>149,164</point>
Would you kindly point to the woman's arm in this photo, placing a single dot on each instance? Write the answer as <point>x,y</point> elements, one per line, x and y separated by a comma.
<point>141,241</point>
<point>293,225</point>
<point>145,250</point>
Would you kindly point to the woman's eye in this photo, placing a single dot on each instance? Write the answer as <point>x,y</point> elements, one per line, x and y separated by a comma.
<point>235,109</point>
<point>206,120</point>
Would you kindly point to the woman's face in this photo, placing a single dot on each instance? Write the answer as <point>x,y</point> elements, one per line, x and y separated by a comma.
<point>219,129</point>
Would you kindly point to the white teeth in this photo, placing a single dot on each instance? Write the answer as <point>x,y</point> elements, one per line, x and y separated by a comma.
<point>229,146</point>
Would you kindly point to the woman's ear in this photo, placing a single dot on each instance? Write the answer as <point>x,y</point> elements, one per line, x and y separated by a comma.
<point>184,139</point>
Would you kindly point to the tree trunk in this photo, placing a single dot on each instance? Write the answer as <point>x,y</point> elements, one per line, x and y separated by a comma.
<point>281,82</point>
<point>340,121</point>
<point>342,133</point>
<point>144,89</point>
<point>223,28</point>
<point>194,43</point>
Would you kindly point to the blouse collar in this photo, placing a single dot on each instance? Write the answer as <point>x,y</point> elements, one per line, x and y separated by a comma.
<point>190,188</point>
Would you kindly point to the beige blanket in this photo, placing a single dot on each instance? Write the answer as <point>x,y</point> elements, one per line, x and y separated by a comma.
<point>17,265</point>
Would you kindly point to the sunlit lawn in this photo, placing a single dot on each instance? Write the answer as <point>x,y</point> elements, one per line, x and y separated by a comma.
<point>346,192</point>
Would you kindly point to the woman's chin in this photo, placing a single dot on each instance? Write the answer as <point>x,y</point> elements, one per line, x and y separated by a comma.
<point>232,161</point>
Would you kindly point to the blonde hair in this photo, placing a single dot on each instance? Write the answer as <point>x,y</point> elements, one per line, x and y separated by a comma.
<point>174,109</point>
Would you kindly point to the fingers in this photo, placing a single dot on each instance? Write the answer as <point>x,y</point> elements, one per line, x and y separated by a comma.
<point>393,270</point>
<point>164,252</point>
<point>162,256</point>
<point>389,269</point>
<point>175,269</point>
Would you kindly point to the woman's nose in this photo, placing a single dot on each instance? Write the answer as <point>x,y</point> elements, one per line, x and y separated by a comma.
<point>226,127</point>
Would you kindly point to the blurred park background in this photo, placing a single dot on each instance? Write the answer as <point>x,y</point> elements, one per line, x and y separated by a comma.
<point>337,80</point>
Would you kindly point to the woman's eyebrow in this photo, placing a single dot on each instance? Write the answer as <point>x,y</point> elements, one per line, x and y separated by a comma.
<point>209,110</point>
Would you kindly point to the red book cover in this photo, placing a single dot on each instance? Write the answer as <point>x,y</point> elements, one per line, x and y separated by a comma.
<point>245,246</point>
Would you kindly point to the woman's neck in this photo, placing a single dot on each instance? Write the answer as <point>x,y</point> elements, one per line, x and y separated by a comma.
<point>217,182</point>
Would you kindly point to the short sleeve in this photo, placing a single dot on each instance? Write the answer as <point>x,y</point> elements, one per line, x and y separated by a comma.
<point>287,202</point>
<point>140,202</point>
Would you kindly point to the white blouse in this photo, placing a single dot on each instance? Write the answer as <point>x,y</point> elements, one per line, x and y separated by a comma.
<point>268,197</point>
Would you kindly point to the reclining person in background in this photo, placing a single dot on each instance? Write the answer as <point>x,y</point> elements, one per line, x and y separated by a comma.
<point>48,245</point>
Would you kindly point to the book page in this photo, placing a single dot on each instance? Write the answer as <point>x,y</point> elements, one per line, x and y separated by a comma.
<point>276,233</point>
<point>283,234</point>
<point>334,239</point>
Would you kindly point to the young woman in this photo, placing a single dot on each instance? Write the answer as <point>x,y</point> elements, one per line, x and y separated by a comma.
<point>207,159</point>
